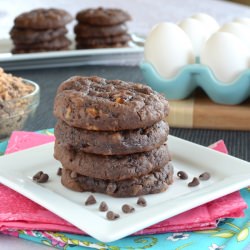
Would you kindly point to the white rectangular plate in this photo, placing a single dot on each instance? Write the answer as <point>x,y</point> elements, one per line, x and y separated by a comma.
<point>121,56</point>
<point>228,174</point>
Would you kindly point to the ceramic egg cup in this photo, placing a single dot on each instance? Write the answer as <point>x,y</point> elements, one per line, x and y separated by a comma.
<point>196,75</point>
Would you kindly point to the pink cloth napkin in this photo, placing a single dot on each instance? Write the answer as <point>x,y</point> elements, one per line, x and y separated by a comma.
<point>18,212</point>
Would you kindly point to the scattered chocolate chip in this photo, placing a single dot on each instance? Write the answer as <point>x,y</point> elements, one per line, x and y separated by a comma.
<point>40,177</point>
<point>44,178</point>
<point>112,216</point>
<point>103,206</point>
<point>204,176</point>
<point>127,209</point>
<point>141,202</point>
<point>73,174</point>
<point>194,182</point>
<point>182,175</point>
<point>90,200</point>
<point>59,171</point>
<point>37,175</point>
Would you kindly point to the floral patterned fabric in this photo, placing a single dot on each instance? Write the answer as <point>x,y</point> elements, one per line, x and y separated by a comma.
<point>231,234</point>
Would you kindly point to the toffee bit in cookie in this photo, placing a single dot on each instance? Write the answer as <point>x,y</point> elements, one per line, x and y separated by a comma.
<point>119,100</point>
<point>73,175</point>
<point>112,216</point>
<point>127,209</point>
<point>90,200</point>
<point>40,177</point>
<point>195,182</point>
<point>141,202</point>
<point>103,206</point>
<point>111,188</point>
<point>182,175</point>
<point>59,172</point>
<point>204,176</point>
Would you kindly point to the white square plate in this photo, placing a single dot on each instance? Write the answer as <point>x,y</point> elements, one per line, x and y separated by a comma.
<point>228,174</point>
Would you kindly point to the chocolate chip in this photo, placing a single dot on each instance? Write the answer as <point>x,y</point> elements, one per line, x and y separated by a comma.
<point>141,202</point>
<point>204,176</point>
<point>73,174</point>
<point>37,175</point>
<point>103,206</point>
<point>182,175</point>
<point>59,172</point>
<point>194,182</point>
<point>112,216</point>
<point>90,200</point>
<point>127,209</point>
<point>40,177</point>
<point>44,178</point>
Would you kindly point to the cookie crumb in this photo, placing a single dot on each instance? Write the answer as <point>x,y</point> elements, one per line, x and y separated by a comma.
<point>40,177</point>
<point>127,209</point>
<point>112,216</point>
<point>141,202</point>
<point>195,182</point>
<point>59,172</point>
<point>90,200</point>
<point>103,206</point>
<point>182,175</point>
<point>204,176</point>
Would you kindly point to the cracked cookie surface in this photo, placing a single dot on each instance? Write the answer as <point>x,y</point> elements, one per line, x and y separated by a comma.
<point>41,19</point>
<point>102,16</point>
<point>94,103</point>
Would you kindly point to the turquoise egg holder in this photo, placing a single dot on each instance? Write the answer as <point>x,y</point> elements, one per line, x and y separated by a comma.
<point>196,75</point>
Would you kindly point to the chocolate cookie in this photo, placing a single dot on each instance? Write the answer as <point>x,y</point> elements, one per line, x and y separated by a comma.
<point>29,36</point>
<point>103,17</point>
<point>112,167</point>
<point>88,31</point>
<point>59,42</point>
<point>104,40</point>
<point>112,143</point>
<point>155,182</point>
<point>40,19</point>
<point>94,103</point>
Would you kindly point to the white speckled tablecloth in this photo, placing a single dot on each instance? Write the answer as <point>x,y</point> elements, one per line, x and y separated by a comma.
<point>145,14</point>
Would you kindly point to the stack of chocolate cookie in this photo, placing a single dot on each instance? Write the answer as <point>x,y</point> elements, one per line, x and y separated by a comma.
<point>111,137</point>
<point>40,30</point>
<point>102,28</point>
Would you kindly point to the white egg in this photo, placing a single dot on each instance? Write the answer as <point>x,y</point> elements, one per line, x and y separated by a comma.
<point>243,20</point>
<point>225,55</point>
<point>238,29</point>
<point>168,49</point>
<point>210,23</point>
<point>196,32</point>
